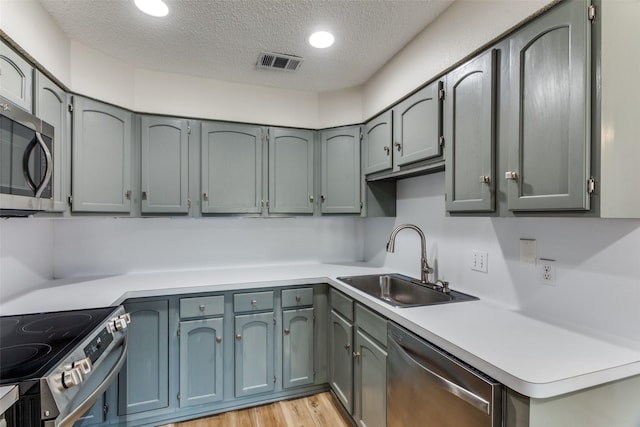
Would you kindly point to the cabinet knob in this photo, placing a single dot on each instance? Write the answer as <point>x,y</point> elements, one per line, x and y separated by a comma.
<point>287,331</point>
<point>387,149</point>
<point>238,337</point>
<point>298,299</point>
<point>485,179</point>
<point>347,346</point>
<point>144,195</point>
<point>511,175</point>
<point>205,196</point>
<point>201,307</point>
<point>253,302</point>
<point>128,194</point>
<point>322,198</point>
<point>311,199</point>
<point>398,145</point>
<point>356,355</point>
<point>218,340</point>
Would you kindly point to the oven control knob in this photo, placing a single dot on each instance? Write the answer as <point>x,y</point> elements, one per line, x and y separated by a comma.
<point>70,378</point>
<point>119,323</point>
<point>84,365</point>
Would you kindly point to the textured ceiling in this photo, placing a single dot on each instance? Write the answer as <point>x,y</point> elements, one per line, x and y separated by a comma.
<point>221,39</point>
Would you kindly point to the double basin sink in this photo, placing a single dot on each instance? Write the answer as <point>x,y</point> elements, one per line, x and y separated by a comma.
<point>404,291</point>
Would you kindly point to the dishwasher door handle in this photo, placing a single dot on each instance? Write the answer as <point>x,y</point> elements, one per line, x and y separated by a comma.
<point>451,387</point>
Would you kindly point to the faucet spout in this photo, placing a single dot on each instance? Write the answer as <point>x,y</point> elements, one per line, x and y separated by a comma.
<point>425,269</point>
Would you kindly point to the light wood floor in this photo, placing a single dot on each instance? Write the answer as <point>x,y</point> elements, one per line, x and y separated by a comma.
<point>320,410</point>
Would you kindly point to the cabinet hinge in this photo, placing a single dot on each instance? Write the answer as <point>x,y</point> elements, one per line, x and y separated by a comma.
<point>178,396</point>
<point>178,333</point>
<point>441,141</point>
<point>591,13</point>
<point>70,199</point>
<point>591,185</point>
<point>441,94</point>
<point>274,321</point>
<point>105,409</point>
<point>70,108</point>
<point>274,379</point>
<point>361,136</point>
<point>188,129</point>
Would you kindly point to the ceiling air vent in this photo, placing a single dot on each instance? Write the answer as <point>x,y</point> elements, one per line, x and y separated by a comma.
<point>279,61</point>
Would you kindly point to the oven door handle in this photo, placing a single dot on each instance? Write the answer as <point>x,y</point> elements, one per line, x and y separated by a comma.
<point>68,419</point>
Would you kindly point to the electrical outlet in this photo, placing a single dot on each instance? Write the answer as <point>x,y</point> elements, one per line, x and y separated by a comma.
<point>547,271</point>
<point>479,261</point>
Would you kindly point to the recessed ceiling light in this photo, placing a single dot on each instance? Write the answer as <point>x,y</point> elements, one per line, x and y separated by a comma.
<point>153,7</point>
<point>321,39</point>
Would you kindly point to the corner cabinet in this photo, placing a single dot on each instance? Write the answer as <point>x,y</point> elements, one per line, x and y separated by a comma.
<point>102,152</point>
<point>17,77</point>
<point>164,165</point>
<point>550,107</point>
<point>340,189</point>
<point>470,134</point>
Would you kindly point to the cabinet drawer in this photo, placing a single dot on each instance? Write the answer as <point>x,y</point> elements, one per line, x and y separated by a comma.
<point>342,304</point>
<point>202,306</point>
<point>253,301</point>
<point>372,324</point>
<point>297,297</point>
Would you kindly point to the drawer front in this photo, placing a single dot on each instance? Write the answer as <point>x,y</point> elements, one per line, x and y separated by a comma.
<point>253,301</point>
<point>342,304</point>
<point>202,306</point>
<point>297,297</point>
<point>372,324</point>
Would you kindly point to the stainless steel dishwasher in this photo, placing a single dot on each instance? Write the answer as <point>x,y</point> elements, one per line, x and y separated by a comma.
<point>428,387</point>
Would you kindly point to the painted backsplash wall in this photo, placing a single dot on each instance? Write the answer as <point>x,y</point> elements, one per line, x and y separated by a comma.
<point>598,261</point>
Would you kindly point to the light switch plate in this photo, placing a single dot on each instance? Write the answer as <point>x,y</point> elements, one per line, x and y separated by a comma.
<point>528,251</point>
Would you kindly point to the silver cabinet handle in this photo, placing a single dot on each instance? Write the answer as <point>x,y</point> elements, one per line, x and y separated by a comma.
<point>356,355</point>
<point>253,302</point>
<point>322,198</point>
<point>238,337</point>
<point>298,299</point>
<point>347,346</point>
<point>485,179</point>
<point>310,199</point>
<point>128,194</point>
<point>511,175</point>
<point>144,195</point>
<point>205,196</point>
<point>287,331</point>
<point>387,149</point>
<point>201,307</point>
<point>398,145</point>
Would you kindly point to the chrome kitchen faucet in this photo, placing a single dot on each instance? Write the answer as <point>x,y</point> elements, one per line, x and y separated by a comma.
<point>425,269</point>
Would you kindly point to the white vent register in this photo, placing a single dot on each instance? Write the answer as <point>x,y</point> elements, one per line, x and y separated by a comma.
<point>279,61</point>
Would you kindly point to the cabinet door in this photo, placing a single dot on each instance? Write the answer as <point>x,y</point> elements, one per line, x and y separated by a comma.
<point>297,347</point>
<point>254,354</point>
<point>470,136</point>
<point>341,171</point>
<point>51,106</point>
<point>101,157</point>
<point>16,77</point>
<point>417,126</point>
<point>201,358</point>
<point>549,144</point>
<point>341,360</point>
<point>231,168</point>
<point>370,382</point>
<point>290,171</point>
<point>378,144</point>
<point>165,165</point>
<point>143,383</point>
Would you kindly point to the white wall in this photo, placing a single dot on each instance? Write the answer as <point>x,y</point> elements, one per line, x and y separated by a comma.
<point>26,255</point>
<point>102,246</point>
<point>598,273</point>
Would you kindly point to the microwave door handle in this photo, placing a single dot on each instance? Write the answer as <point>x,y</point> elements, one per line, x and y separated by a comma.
<point>25,164</point>
<point>49,160</point>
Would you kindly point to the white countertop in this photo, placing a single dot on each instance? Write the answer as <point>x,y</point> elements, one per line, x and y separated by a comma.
<point>9,395</point>
<point>535,358</point>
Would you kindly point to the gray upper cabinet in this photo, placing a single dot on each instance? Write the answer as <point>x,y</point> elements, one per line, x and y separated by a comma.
<point>16,77</point>
<point>201,361</point>
<point>417,126</point>
<point>550,105</point>
<point>378,141</point>
<point>143,383</point>
<point>340,170</point>
<point>51,106</point>
<point>254,354</point>
<point>165,165</point>
<point>231,168</point>
<point>469,132</point>
<point>291,174</point>
<point>102,151</point>
<point>297,347</point>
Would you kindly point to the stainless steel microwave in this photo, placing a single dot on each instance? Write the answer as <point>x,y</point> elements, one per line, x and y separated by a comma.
<point>26,162</point>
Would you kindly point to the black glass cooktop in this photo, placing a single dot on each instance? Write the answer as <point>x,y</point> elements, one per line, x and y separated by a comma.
<point>32,344</point>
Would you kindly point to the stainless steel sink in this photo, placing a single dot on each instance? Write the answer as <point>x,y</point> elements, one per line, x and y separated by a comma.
<point>403,291</point>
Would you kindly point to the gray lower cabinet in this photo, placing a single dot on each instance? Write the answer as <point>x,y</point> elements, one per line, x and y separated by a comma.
<point>51,106</point>
<point>231,168</point>
<point>164,165</point>
<point>143,383</point>
<point>291,172</point>
<point>340,359</point>
<point>17,77</point>
<point>254,355</point>
<point>95,415</point>
<point>469,131</point>
<point>298,347</point>
<point>340,188</point>
<point>550,107</point>
<point>201,361</point>
<point>102,152</point>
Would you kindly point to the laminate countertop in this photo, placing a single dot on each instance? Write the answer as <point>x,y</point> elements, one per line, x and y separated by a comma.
<point>536,358</point>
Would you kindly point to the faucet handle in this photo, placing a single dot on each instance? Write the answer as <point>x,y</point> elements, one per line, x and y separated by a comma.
<point>444,286</point>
